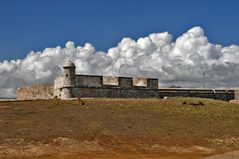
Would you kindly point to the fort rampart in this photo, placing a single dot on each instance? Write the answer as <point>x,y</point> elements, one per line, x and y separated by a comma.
<point>71,85</point>
<point>35,92</point>
<point>46,92</point>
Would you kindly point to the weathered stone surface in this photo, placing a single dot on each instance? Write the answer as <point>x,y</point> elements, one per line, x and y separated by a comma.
<point>236,94</point>
<point>35,92</point>
<point>90,81</point>
<point>95,92</point>
<point>152,83</point>
<point>110,80</point>
<point>140,82</point>
<point>220,94</point>
<point>125,82</point>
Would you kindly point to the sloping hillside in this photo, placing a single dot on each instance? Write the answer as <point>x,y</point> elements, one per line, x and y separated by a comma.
<point>118,128</point>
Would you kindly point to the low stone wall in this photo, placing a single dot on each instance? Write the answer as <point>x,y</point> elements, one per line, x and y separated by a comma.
<point>219,94</point>
<point>35,92</point>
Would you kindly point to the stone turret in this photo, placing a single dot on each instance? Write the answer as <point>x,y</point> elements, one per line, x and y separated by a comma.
<point>69,73</point>
<point>69,80</point>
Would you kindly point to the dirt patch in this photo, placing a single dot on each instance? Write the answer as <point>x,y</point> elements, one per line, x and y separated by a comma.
<point>60,145</point>
<point>71,148</point>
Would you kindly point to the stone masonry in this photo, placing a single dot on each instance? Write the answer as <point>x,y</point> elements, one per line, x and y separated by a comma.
<point>35,92</point>
<point>70,85</point>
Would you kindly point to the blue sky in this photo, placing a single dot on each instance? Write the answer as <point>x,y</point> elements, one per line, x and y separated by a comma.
<point>27,25</point>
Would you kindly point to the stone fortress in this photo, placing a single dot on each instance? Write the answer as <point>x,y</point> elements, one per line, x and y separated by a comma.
<point>71,85</point>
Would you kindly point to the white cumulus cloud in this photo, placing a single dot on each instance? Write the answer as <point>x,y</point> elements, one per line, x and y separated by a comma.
<point>180,62</point>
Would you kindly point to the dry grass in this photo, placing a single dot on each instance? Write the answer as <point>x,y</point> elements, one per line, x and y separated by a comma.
<point>144,128</point>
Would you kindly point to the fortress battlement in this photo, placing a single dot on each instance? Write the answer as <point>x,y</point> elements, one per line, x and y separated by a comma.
<point>71,85</point>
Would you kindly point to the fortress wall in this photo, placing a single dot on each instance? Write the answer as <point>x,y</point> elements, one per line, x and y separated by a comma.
<point>103,81</point>
<point>141,92</point>
<point>220,94</point>
<point>87,80</point>
<point>107,92</point>
<point>152,83</point>
<point>125,82</point>
<point>35,92</point>
<point>117,87</point>
<point>46,92</point>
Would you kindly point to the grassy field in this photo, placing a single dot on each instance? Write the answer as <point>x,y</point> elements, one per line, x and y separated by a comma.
<point>118,128</point>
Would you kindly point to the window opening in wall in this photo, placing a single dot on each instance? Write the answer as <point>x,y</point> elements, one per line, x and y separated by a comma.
<point>66,75</point>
